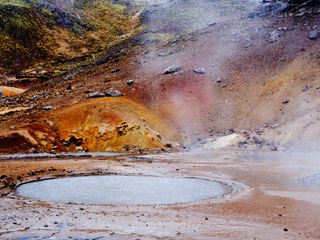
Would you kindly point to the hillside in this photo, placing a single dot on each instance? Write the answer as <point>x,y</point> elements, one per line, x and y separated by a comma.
<point>252,70</point>
<point>47,37</point>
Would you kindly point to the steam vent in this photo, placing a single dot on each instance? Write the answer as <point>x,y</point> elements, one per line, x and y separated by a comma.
<point>159,119</point>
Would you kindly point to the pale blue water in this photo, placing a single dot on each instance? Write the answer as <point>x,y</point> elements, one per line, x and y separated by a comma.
<point>126,190</point>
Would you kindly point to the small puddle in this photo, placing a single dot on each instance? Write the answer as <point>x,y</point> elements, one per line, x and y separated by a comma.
<point>127,190</point>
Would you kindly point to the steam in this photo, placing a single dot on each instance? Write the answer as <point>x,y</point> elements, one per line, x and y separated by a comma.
<point>191,98</point>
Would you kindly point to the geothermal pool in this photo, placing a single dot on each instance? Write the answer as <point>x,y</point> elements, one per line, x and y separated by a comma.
<point>123,190</point>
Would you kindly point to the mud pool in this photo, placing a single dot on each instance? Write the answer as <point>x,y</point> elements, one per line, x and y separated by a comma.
<point>127,190</point>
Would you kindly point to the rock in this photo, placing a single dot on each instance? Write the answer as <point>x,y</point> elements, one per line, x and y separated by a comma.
<point>168,145</point>
<point>115,70</point>
<point>79,149</point>
<point>230,131</point>
<point>172,69</point>
<point>199,70</point>
<point>313,35</point>
<point>211,24</point>
<point>96,95</point>
<point>32,150</point>
<point>165,53</point>
<point>48,108</point>
<point>273,37</point>
<point>285,101</point>
<point>257,140</point>
<point>35,96</point>
<point>7,184</point>
<point>219,80</point>
<point>112,93</point>
<point>273,148</point>
<point>130,82</point>
<point>271,8</point>
<point>248,45</point>
<point>50,123</point>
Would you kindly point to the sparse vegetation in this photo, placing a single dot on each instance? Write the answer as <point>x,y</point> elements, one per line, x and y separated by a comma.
<point>37,32</point>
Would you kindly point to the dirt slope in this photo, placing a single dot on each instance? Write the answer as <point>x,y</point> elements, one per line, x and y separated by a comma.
<point>107,124</point>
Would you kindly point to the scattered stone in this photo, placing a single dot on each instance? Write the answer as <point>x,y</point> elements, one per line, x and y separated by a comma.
<point>285,229</point>
<point>199,70</point>
<point>206,218</point>
<point>230,131</point>
<point>130,82</point>
<point>270,8</point>
<point>48,108</point>
<point>168,145</point>
<point>35,96</point>
<point>211,24</point>
<point>32,150</point>
<point>273,148</point>
<point>50,123</point>
<point>96,95</point>
<point>283,29</point>
<point>248,45</point>
<point>115,70</point>
<point>259,131</point>
<point>79,149</point>
<point>313,35</point>
<point>165,53</point>
<point>273,37</point>
<point>306,88</point>
<point>172,69</point>
<point>219,80</point>
<point>112,93</point>
<point>257,140</point>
